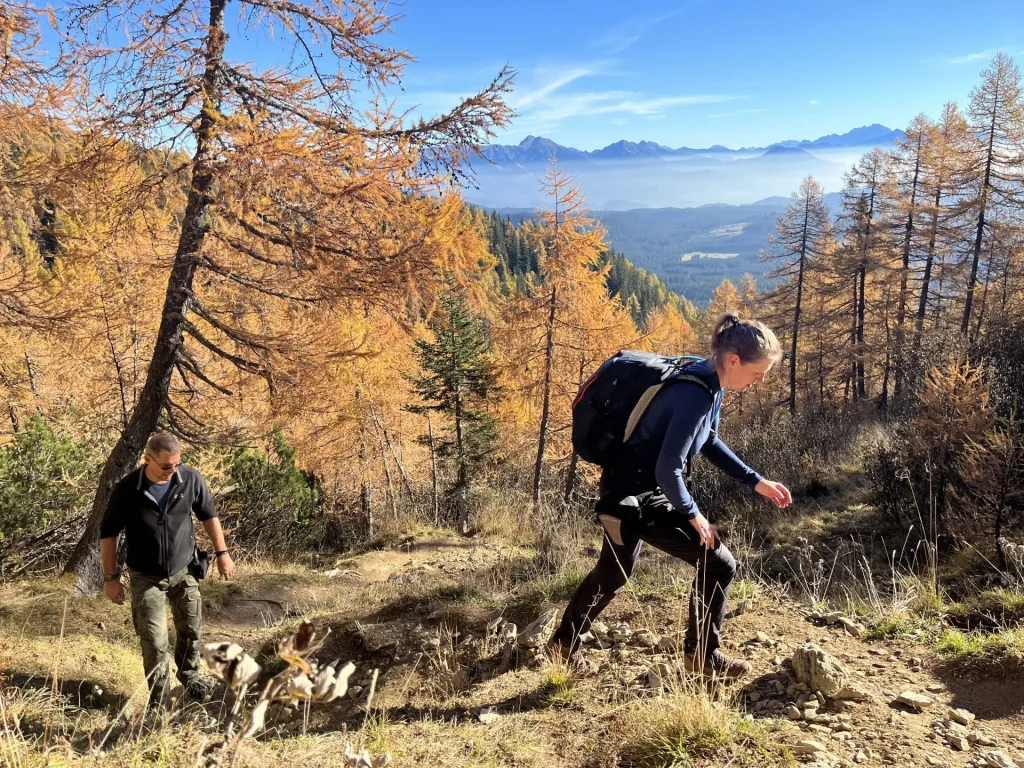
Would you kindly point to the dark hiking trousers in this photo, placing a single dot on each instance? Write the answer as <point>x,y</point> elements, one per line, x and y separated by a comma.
<point>150,597</point>
<point>656,524</point>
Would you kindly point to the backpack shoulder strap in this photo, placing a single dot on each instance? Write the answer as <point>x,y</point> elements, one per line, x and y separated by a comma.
<point>648,396</point>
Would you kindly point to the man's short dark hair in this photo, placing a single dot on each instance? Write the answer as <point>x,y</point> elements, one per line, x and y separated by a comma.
<point>163,442</point>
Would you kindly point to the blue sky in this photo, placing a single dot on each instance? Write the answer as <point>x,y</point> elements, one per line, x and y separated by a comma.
<point>702,72</point>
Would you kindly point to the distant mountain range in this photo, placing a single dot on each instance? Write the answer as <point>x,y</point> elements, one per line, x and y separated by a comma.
<point>534,149</point>
<point>693,249</point>
<point>645,174</point>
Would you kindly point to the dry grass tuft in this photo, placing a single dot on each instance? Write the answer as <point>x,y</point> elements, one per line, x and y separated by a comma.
<point>691,725</point>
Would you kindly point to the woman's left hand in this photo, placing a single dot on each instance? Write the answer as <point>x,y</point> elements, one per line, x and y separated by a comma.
<point>777,492</point>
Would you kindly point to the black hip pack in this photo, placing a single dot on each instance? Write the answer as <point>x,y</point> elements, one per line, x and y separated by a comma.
<point>199,565</point>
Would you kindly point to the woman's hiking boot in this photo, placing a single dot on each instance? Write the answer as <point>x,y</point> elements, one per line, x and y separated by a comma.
<point>572,657</point>
<point>717,664</point>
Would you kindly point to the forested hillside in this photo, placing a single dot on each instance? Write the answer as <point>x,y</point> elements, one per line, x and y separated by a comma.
<point>519,250</point>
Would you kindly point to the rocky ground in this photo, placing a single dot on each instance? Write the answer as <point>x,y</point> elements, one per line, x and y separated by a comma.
<point>446,635</point>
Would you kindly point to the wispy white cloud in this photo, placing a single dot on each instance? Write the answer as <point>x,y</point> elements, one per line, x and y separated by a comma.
<point>973,58</point>
<point>542,92</point>
<point>813,102</point>
<point>970,58</point>
<point>551,112</point>
<point>627,33</point>
<point>547,96</point>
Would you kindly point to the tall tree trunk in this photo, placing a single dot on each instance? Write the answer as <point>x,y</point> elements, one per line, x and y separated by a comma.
<point>861,308</point>
<point>851,389</point>
<point>887,368</point>
<point>979,236</point>
<point>939,295</point>
<point>796,309</point>
<point>984,294</point>
<point>462,478</point>
<point>389,486</point>
<point>435,504</point>
<point>365,488</point>
<point>926,279</point>
<point>545,413</point>
<point>195,223</point>
<point>901,310</point>
<point>862,297</point>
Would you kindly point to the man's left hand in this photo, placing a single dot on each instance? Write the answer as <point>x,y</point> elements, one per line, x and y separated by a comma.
<point>225,566</point>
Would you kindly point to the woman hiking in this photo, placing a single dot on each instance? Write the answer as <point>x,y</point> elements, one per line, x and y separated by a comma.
<point>644,497</point>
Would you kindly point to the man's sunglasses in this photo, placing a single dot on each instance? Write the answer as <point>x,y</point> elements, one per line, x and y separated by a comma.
<point>165,467</point>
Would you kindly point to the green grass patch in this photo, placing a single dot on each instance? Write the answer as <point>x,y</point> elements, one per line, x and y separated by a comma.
<point>644,585</point>
<point>559,685</point>
<point>890,626</point>
<point>459,593</point>
<point>1002,601</point>
<point>1006,645</point>
<point>555,588</point>
<point>746,589</point>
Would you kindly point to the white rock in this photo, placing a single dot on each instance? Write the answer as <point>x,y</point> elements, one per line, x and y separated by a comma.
<point>916,701</point>
<point>818,669</point>
<point>488,715</point>
<point>852,693</point>
<point>851,627</point>
<point>621,633</point>
<point>959,742</point>
<point>809,747</point>
<point>540,631</point>
<point>961,716</point>
<point>1000,760</point>
<point>646,638</point>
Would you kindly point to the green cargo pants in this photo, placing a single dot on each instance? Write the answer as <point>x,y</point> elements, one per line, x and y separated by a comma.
<point>149,614</point>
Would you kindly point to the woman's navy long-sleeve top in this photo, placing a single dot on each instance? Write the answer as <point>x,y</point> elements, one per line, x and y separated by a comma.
<point>682,419</point>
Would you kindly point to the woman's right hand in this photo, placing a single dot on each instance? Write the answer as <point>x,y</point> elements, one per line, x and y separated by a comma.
<point>776,492</point>
<point>704,529</point>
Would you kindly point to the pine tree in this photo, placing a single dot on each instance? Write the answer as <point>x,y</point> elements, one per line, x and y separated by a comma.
<point>947,148</point>
<point>996,113</point>
<point>802,235</point>
<point>458,380</point>
<point>864,234</point>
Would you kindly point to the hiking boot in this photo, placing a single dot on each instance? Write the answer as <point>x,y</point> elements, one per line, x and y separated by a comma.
<point>717,664</point>
<point>559,651</point>
<point>571,657</point>
<point>198,692</point>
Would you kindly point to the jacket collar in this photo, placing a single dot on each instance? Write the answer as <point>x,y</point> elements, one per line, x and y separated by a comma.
<point>707,371</point>
<point>175,478</point>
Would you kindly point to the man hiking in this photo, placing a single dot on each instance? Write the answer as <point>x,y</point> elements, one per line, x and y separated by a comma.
<point>644,497</point>
<point>154,505</point>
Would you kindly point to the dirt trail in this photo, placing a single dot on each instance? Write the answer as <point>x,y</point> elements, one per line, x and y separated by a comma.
<point>873,733</point>
<point>247,606</point>
<point>389,594</point>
